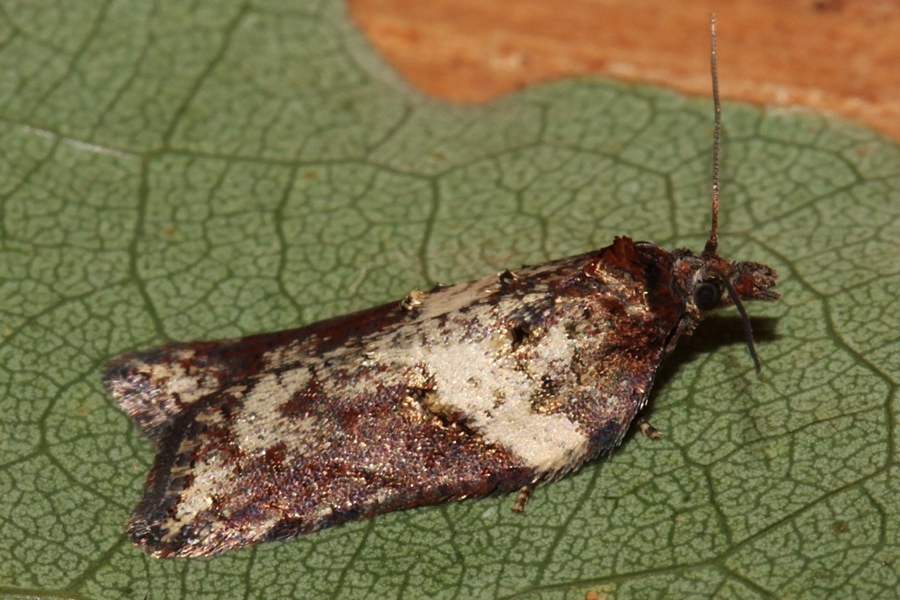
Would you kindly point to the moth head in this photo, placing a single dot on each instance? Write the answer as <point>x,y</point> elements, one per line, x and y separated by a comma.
<point>710,282</point>
<point>715,283</point>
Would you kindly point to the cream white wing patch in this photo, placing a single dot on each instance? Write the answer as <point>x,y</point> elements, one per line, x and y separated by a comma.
<point>484,384</point>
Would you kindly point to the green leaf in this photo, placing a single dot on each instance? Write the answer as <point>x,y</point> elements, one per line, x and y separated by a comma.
<point>175,171</point>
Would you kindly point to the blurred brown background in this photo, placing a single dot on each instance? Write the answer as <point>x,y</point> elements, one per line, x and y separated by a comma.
<point>833,55</point>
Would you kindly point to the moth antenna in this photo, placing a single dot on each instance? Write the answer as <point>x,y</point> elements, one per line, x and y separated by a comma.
<point>748,330</point>
<point>712,243</point>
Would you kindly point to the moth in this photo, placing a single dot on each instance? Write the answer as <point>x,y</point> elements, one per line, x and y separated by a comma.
<point>462,391</point>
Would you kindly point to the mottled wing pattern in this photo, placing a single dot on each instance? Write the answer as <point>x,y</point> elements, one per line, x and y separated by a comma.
<point>155,386</point>
<point>462,391</point>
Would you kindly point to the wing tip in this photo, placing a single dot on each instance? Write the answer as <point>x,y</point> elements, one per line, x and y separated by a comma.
<point>150,387</point>
<point>150,533</point>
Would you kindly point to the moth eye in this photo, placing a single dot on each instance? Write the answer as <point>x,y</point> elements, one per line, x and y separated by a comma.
<point>706,296</point>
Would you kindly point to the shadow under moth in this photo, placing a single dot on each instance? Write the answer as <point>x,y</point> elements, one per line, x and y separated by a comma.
<point>461,391</point>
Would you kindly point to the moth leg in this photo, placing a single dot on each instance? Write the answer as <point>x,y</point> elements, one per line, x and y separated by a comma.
<point>522,498</point>
<point>647,429</point>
